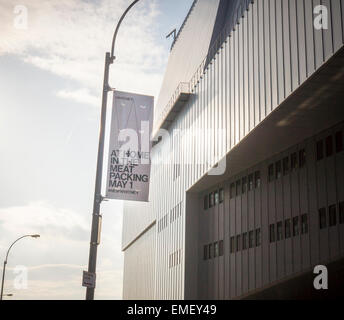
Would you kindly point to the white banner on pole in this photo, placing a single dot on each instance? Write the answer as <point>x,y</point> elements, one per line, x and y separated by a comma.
<point>129,162</point>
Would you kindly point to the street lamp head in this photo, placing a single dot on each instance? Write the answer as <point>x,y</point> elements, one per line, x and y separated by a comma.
<point>35,235</point>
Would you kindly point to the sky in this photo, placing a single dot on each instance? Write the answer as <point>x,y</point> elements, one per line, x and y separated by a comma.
<point>51,70</point>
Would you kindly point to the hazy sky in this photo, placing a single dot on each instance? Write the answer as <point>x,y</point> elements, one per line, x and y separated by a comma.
<point>50,84</point>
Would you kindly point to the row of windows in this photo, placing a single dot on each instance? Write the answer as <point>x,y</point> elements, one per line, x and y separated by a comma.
<point>287,165</point>
<point>213,250</point>
<point>176,212</point>
<point>332,216</point>
<point>248,183</point>
<point>214,198</point>
<point>290,227</point>
<point>245,241</point>
<point>329,149</point>
<point>174,259</point>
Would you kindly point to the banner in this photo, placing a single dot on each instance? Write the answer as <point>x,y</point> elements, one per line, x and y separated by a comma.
<point>129,163</point>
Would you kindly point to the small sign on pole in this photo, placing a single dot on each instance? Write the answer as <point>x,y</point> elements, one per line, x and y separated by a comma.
<point>88,279</point>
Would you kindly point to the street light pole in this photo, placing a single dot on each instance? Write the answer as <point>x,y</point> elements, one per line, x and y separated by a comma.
<point>5,261</point>
<point>98,198</point>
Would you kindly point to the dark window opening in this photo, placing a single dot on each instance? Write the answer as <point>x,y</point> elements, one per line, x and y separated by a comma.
<point>211,200</point>
<point>238,185</point>
<point>271,172</point>
<point>251,239</point>
<point>296,226</point>
<point>304,224</point>
<point>221,248</point>
<point>232,191</point>
<point>341,213</point>
<point>272,235</point>
<point>279,231</point>
<point>339,141</point>
<point>216,197</point>
<point>302,158</point>
<point>329,146</point>
<point>222,195</point>
<point>322,218</point>
<point>244,185</point>
<point>258,238</point>
<point>287,229</point>
<point>216,249</point>
<point>278,169</point>
<point>294,161</point>
<point>232,245</point>
<point>244,241</point>
<point>205,253</point>
<point>257,180</point>
<point>332,213</point>
<point>238,238</point>
<point>206,203</point>
<point>210,251</point>
<point>285,166</point>
<point>250,182</point>
<point>320,150</point>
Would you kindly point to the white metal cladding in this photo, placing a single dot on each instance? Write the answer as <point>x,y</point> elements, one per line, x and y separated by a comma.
<point>272,51</point>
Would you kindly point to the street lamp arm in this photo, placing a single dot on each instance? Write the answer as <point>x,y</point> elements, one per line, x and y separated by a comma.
<point>117,28</point>
<point>8,251</point>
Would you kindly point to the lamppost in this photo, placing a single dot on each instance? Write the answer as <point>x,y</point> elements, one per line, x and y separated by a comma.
<point>5,262</point>
<point>98,198</point>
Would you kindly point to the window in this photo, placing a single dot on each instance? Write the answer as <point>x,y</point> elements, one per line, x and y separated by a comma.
<point>287,229</point>
<point>211,200</point>
<point>296,230</point>
<point>322,218</point>
<point>278,169</point>
<point>257,180</point>
<point>222,195</point>
<point>205,253</point>
<point>238,184</point>
<point>258,238</point>
<point>244,185</point>
<point>216,249</point>
<point>205,205</point>
<point>341,213</point>
<point>250,182</point>
<point>320,150</point>
<point>238,238</point>
<point>210,250</point>
<point>293,161</point>
<point>232,191</point>
<point>304,224</point>
<point>271,172</point>
<point>251,239</point>
<point>332,214</point>
<point>339,141</point>
<point>302,158</point>
<point>232,244</point>
<point>216,197</point>
<point>244,241</point>
<point>285,166</point>
<point>279,231</point>
<point>221,248</point>
<point>272,233</point>
<point>329,146</point>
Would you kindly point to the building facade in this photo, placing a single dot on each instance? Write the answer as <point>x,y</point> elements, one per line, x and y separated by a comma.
<point>247,178</point>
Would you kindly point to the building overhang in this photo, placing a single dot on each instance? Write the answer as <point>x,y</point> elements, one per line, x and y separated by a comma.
<point>315,106</point>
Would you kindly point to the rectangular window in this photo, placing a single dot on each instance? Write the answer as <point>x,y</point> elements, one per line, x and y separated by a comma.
<point>322,218</point>
<point>293,158</point>
<point>210,251</point>
<point>238,242</point>
<point>205,253</point>
<point>287,229</point>
<point>222,195</point>
<point>272,235</point>
<point>285,166</point>
<point>304,224</point>
<point>250,182</point>
<point>257,180</point>
<point>278,169</point>
<point>216,197</point>
<point>251,239</point>
<point>238,187</point>
<point>279,231</point>
<point>244,185</point>
<point>216,249</point>
<point>332,214</point>
<point>271,172</point>
<point>296,230</point>
<point>339,141</point>
<point>232,244</point>
<point>258,237</point>
<point>329,146</point>
<point>205,205</point>
<point>341,213</point>
<point>320,150</point>
<point>244,241</point>
<point>302,158</point>
<point>232,191</point>
<point>211,200</point>
<point>221,248</point>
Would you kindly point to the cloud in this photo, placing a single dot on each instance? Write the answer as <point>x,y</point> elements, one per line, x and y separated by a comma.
<point>81,95</point>
<point>69,38</point>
